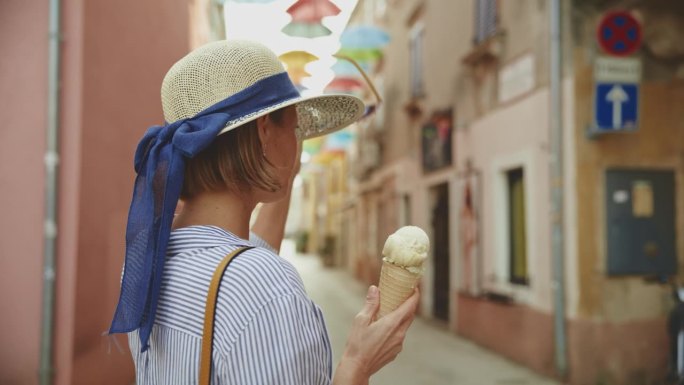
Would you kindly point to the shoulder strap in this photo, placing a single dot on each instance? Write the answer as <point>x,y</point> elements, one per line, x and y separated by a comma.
<point>209,311</point>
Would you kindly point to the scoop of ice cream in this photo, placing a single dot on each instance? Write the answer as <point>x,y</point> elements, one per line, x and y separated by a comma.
<point>407,247</point>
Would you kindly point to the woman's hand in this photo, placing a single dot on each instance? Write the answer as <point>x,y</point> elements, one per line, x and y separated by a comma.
<point>373,344</point>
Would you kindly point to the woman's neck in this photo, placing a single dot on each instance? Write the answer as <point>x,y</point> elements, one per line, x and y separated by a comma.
<point>226,210</point>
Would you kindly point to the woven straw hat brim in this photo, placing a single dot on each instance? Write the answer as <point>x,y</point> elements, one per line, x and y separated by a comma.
<point>219,70</point>
<point>318,115</point>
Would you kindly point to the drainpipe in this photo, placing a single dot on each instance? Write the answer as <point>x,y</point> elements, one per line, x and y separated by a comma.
<point>50,224</point>
<point>556,173</point>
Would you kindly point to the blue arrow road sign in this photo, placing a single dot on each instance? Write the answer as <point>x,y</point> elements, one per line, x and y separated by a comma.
<point>616,106</point>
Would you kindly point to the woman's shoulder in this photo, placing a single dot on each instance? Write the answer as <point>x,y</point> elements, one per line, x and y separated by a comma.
<point>256,278</point>
<point>254,282</point>
<point>265,268</point>
<point>253,279</point>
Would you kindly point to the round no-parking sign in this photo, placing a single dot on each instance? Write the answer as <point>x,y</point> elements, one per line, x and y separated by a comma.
<point>619,33</point>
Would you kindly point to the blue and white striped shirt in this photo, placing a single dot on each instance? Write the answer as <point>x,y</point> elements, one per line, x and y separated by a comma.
<point>267,330</point>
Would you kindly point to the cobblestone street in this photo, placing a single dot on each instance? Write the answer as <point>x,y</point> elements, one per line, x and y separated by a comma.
<point>431,355</point>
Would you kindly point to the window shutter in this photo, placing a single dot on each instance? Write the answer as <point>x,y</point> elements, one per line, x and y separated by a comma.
<point>485,19</point>
<point>416,55</point>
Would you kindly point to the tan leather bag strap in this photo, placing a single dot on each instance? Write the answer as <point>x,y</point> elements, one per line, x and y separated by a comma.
<point>209,311</point>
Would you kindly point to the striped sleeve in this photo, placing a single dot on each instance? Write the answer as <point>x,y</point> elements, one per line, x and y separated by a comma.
<point>285,343</point>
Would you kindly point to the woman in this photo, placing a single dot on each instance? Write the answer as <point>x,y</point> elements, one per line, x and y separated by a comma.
<point>234,124</point>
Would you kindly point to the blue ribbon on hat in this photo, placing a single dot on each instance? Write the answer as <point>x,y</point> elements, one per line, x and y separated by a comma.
<point>160,165</point>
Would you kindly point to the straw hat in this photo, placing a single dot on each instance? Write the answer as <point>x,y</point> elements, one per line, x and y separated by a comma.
<point>221,69</point>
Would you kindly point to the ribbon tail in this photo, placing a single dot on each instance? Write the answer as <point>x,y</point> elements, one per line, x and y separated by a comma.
<point>169,192</point>
<point>144,147</point>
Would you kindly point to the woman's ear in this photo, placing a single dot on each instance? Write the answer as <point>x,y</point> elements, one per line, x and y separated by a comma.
<point>264,127</point>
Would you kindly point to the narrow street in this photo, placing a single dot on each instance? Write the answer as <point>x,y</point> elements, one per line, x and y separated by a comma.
<point>431,355</point>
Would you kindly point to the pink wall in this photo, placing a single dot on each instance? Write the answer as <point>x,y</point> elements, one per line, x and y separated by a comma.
<point>127,48</point>
<point>515,331</point>
<point>126,56</point>
<point>114,56</point>
<point>23,88</point>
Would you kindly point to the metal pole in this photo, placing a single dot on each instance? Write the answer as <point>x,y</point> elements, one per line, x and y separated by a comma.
<point>556,136</point>
<point>50,224</point>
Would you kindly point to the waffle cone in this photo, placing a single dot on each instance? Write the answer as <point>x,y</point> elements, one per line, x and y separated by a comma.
<point>396,285</point>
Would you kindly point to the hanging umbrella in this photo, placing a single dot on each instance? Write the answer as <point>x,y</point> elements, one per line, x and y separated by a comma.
<point>307,16</point>
<point>313,146</point>
<point>249,1</point>
<point>340,140</point>
<point>363,56</point>
<point>295,61</point>
<point>306,30</point>
<point>328,156</point>
<point>297,74</point>
<point>363,43</point>
<point>370,108</point>
<point>365,37</point>
<point>312,11</point>
<point>345,84</point>
<point>347,69</point>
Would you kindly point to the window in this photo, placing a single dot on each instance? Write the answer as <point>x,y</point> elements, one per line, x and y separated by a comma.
<point>517,227</point>
<point>416,56</point>
<point>405,210</point>
<point>485,19</point>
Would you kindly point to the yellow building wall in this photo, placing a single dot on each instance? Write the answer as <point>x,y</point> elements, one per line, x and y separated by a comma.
<point>658,144</point>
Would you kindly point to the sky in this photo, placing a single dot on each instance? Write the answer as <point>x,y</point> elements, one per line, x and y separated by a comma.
<point>263,23</point>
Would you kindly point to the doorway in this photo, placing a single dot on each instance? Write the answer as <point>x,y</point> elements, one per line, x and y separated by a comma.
<point>440,247</point>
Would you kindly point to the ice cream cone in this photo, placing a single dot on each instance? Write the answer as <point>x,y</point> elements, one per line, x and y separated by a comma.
<point>396,285</point>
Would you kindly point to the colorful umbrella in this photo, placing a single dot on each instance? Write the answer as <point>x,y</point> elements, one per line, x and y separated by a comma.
<point>345,84</point>
<point>364,37</point>
<point>340,140</point>
<point>361,55</point>
<point>297,58</point>
<point>295,61</point>
<point>371,108</point>
<point>250,1</point>
<point>347,69</point>
<point>306,30</point>
<point>313,146</point>
<point>328,156</point>
<point>296,75</point>
<point>307,16</point>
<point>312,11</point>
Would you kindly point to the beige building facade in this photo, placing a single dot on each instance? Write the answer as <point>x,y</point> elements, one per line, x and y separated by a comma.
<point>462,147</point>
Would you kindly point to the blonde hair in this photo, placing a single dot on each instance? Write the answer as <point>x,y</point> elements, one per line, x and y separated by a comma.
<point>234,162</point>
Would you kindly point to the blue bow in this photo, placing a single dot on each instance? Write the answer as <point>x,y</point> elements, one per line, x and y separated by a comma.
<point>160,165</point>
